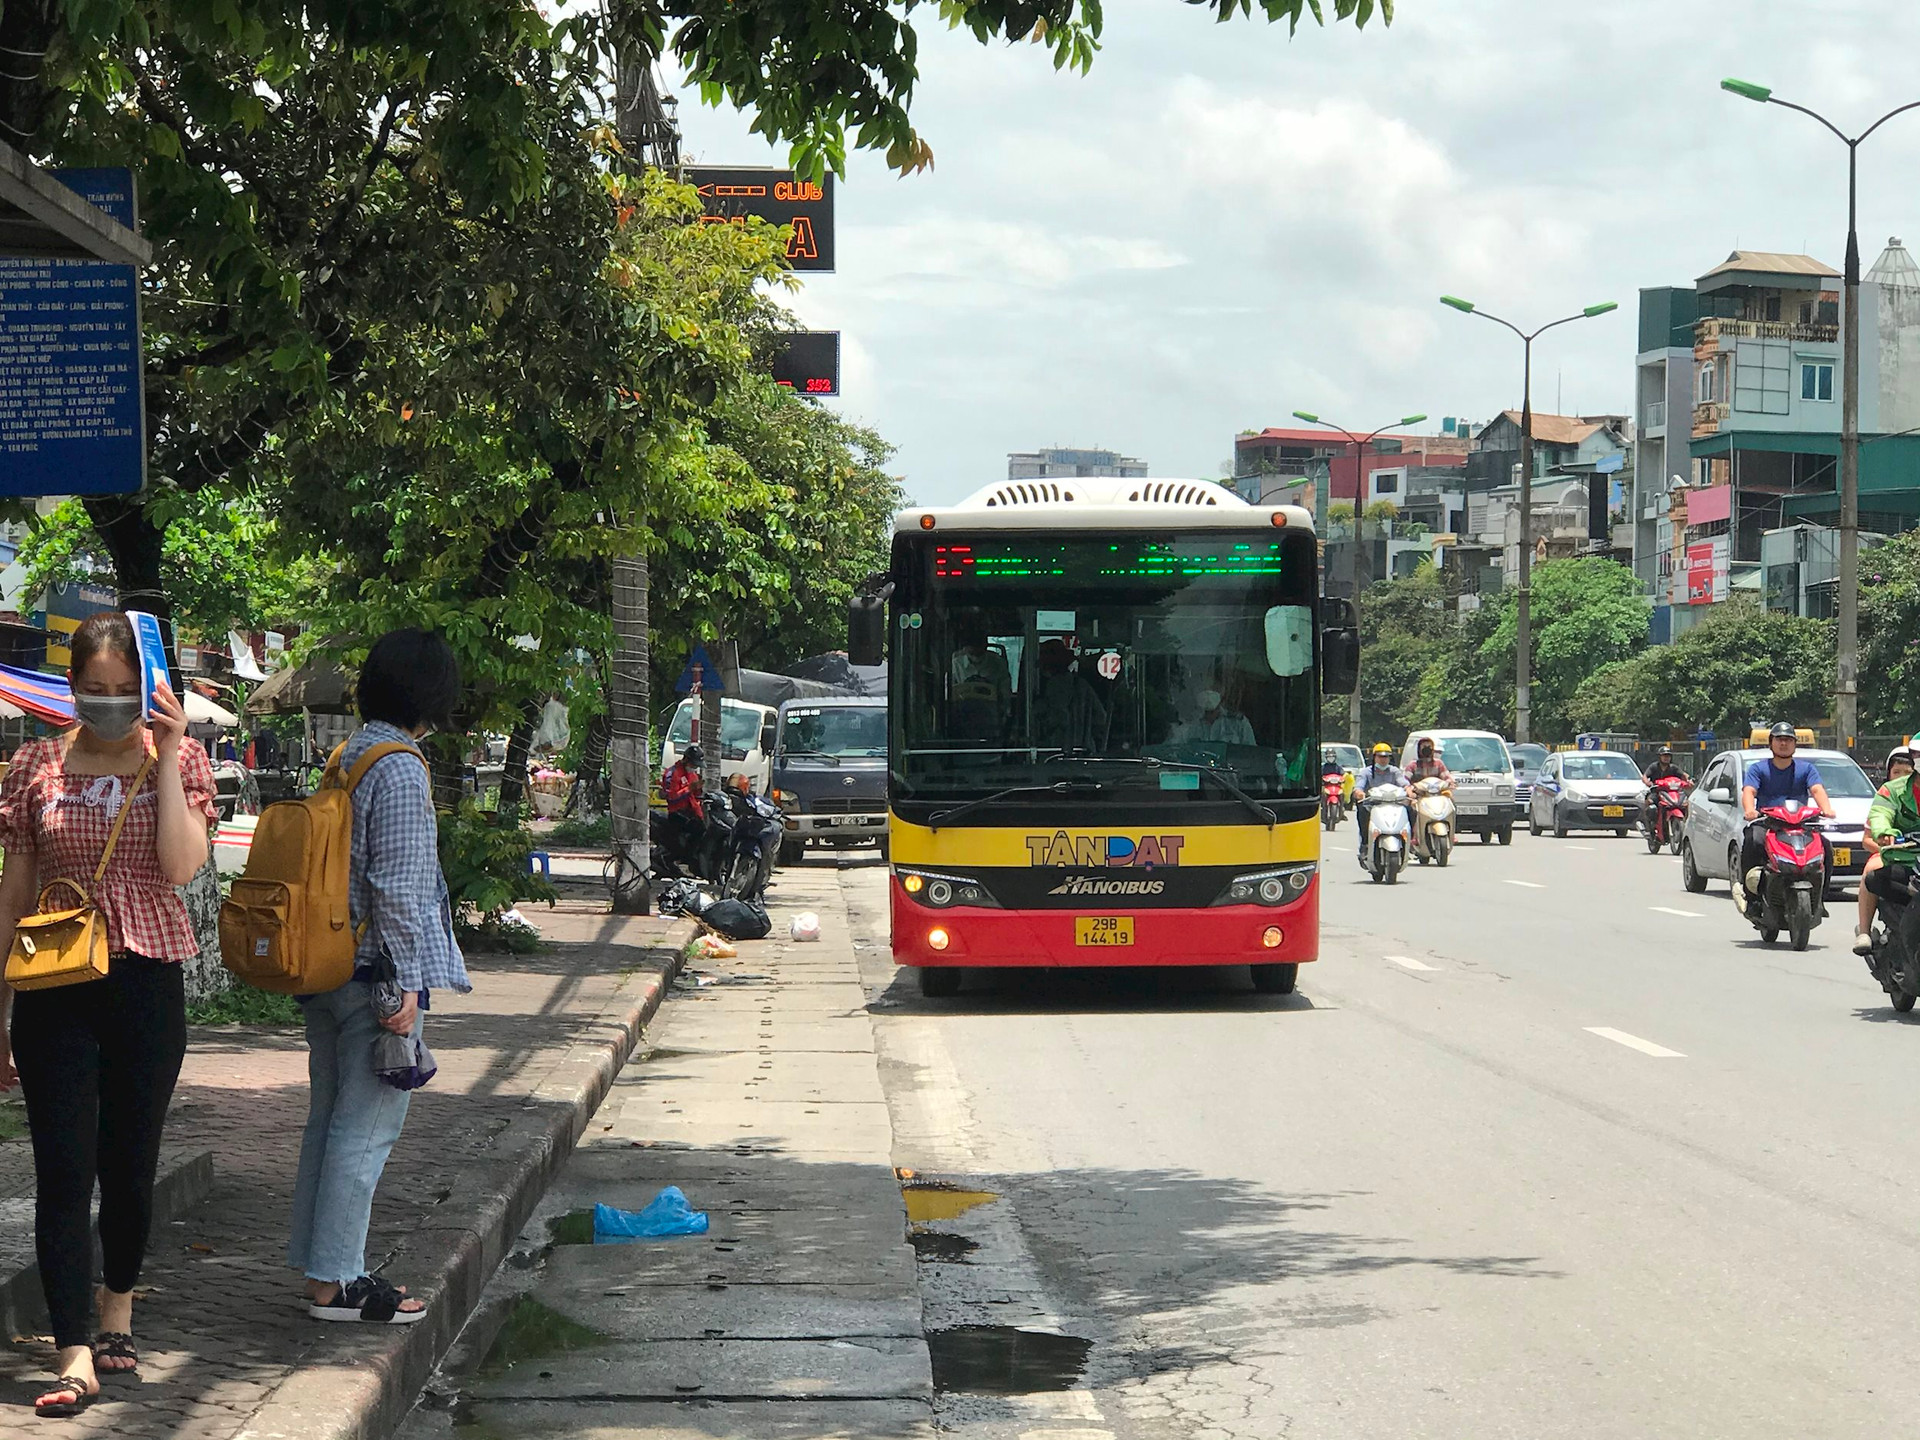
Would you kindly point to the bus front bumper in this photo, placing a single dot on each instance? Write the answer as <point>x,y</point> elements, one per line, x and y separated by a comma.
<point>1215,935</point>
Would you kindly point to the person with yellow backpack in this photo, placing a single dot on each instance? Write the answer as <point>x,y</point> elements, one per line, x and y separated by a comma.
<point>398,916</point>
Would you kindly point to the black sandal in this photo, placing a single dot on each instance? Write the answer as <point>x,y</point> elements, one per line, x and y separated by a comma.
<point>368,1300</point>
<point>115,1345</point>
<point>78,1398</point>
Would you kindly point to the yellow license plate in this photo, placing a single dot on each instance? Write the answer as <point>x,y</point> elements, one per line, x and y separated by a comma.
<point>1613,812</point>
<point>1103,930</point>
<point>1842,855</point>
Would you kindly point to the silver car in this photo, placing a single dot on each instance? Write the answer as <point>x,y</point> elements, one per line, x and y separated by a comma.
<point>1710,839</point>
<point>1586,790</point>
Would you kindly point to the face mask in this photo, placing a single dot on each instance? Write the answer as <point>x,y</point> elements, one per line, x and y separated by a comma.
<point>110,717</point>
<point>1209,699</point>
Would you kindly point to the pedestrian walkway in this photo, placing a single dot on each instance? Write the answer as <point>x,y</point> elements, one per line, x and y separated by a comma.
<point>226,1346</point>
<point>797,1314</point>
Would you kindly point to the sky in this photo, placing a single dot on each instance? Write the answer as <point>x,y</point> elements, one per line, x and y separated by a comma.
<point>1219,226</point>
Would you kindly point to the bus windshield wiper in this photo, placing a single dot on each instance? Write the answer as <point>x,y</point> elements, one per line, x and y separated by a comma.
<point>1253,806</point>
<point>1058,787</point>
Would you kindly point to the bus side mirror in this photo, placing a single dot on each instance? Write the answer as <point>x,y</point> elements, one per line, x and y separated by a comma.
<point>1339,661</point>
<point>867,629</point>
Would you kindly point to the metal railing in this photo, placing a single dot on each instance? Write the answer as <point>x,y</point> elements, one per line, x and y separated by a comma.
<point>1656,416</point>
<point>1714,328</point>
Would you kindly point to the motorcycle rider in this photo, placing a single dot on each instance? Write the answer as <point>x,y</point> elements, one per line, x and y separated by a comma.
<point>1777,780</point>
<point>1381,772</point>
<point>1900,761</point>
<point>683,789</point>
<point>1663,767</point>
<point>1426,765</point>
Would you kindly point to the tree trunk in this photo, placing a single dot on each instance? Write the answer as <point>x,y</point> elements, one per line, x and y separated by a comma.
<point>204,974</point>
<point>627,702</point>
<point>513,782</point>
<point>588,799</point>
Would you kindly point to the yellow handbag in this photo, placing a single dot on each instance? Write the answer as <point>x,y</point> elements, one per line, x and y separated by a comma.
<point>67,947</point>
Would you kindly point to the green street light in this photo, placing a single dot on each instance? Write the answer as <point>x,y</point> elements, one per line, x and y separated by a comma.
<point>1457,303</point>
<point>1747,90</point>
<point>1306,415</point>
<point>1411,419</point>
<point>1600,309</point>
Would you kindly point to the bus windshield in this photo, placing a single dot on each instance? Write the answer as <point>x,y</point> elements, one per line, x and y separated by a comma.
<point>1023,660</point>
<point>846,731</point>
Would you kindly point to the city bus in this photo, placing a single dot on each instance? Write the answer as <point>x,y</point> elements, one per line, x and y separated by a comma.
<point>1104,728</point>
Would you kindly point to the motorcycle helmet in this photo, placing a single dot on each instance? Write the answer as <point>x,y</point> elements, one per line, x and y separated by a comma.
<point>1383,750</point>
<point>693,756</point>
<point>1781,731</point>
<point>1666,752</point>
<point>1901,752</point>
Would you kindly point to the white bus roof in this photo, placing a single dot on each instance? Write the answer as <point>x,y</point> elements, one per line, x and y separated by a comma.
<point>1099,503</point>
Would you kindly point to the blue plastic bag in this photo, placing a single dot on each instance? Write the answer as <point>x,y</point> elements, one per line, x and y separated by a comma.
<point>668,1214</point>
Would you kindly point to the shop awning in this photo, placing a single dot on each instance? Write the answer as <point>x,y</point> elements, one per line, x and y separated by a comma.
<point>40,695</point>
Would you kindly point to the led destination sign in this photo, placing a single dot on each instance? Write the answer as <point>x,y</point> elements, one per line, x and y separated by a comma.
<point>1104,559</point>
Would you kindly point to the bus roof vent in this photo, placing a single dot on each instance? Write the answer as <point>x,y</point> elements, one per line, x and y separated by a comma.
<point>1028,492</point>
<point>1174,492</point>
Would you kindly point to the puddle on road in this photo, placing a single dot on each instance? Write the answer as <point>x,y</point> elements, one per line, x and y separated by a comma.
<point>534,1332</point>
<point>929,1200</point>
<point>573,1228</point>
<point>939,1248</point>
<point>1004,1360</point>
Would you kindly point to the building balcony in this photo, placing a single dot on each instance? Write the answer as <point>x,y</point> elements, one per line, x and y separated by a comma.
<point>1708,333</point>
<point>1653,419</point>
<point>1708,418</point>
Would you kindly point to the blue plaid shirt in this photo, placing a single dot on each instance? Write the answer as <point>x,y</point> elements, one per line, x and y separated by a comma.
<point>395,868</point>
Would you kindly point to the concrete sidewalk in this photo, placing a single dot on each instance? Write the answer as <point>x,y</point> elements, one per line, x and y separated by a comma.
<point>226,1346</point>
<point>798,1313</point>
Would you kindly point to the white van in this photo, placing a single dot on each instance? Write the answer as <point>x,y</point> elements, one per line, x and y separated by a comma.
<point>1482,769</point>
<point>746,740</point>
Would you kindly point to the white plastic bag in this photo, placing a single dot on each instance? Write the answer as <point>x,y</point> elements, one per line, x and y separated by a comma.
<point>806,926</point>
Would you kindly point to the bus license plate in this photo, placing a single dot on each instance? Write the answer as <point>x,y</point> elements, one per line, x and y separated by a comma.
<point>1842,856</point>
<point>1613,812</point>
<point>1103,930</point>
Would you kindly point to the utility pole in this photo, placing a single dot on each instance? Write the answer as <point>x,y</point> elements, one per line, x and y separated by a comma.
<point>1523,617</point>
<point>1846,689</point>
<point>649,137</point>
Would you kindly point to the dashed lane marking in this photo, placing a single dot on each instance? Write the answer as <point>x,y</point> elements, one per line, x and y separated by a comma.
<point>1407,962</point>
<point>1577,847</point>
<point>1634,1042</point>
<point>1525,884</point>
<point>1669,910</point>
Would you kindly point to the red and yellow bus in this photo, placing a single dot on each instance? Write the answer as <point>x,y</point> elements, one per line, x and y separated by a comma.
<point>1104,740</point>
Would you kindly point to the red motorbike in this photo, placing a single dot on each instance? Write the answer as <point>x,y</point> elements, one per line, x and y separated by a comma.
<point>1793,879</point>
<point>1332,806</point>
<point>1664,812</point>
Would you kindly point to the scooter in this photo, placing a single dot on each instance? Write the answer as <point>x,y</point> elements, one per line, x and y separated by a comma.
<point>679,853</point>
<point>1388,833</point>
<point>1793,877</point>
<point>1894,960</point>
<point>753,845</point>
<point>1663,812</point>
<point>1432,821</point>
<point>1331,805</point>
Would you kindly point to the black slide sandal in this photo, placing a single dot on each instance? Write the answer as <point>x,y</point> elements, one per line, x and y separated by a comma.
<point>369,1301</point>
<point>78,1398</point>
<point>115,1345</point>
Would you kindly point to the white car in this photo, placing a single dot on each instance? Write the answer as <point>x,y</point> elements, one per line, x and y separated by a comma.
<point>1710,839</point>
<point>1586,790</point>
<point>1482,780</point>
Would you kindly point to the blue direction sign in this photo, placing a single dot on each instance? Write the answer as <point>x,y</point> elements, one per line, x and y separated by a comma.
<point>72,410</point>
<point>699,664</point>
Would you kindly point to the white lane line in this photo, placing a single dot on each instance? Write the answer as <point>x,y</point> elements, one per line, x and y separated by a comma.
<point>1634,1042</point>
<point>1525,884</point>
<point>1576,847</point>
<point>1669,910</point>
<point>1407,962</point>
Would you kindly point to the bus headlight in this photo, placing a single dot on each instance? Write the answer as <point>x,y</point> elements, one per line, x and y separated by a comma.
<point>939,891</point>
<point>1281,885</point>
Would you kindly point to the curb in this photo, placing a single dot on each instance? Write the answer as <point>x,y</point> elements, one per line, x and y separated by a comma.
<point>185,1180</point>
<point>371,1399</point>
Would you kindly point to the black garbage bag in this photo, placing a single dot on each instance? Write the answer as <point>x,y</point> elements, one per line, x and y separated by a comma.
<point>737,919</point>
<point>683,897</point>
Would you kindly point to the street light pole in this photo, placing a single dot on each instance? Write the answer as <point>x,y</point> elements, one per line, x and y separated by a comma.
<point>1846,698</point>
<point>1523,616</point>
<point>1360,444</point>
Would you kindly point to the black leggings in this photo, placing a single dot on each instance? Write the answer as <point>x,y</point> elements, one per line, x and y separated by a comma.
<point>97,1063</point>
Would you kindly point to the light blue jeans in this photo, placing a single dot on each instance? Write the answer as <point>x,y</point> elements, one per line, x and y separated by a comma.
<point>352,1123</point>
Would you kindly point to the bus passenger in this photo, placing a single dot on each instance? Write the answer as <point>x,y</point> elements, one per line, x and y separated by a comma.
<point>1067,715</point>
<point>982,687</point>
<point>1217,721</point>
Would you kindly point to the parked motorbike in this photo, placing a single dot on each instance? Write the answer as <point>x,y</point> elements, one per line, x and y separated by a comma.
<point>1793,877</point>
<point>1388,833</point>
<point>1894,960</point>
<point>1664,811</point>
<point>1332,807</point>
<point>681,852</point>
<point>1432,821</point>
<point>753,845</point>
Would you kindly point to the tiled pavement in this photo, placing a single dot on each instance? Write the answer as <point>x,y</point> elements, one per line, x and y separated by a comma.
<point>226,1347</point>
